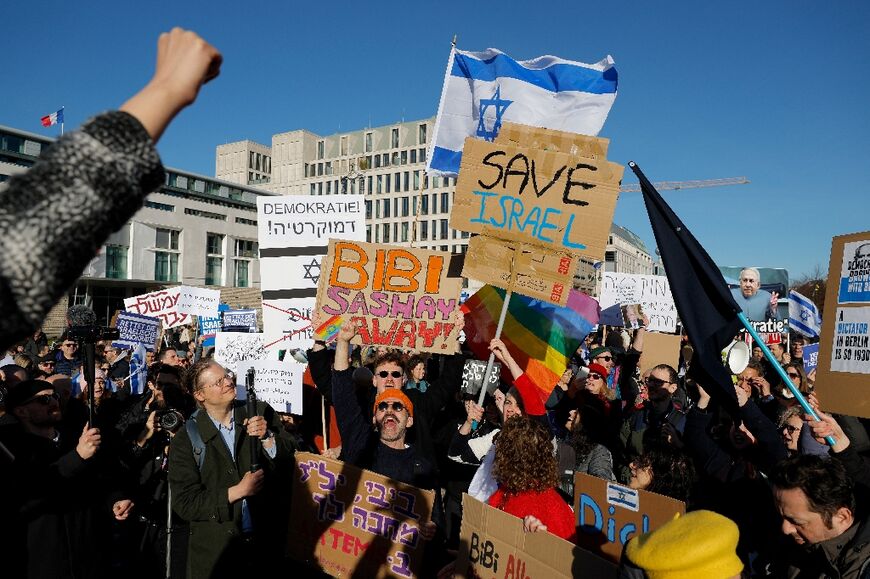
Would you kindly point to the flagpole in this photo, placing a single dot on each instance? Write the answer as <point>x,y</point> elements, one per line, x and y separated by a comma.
<point>785,379</point>
<point>61,122</point>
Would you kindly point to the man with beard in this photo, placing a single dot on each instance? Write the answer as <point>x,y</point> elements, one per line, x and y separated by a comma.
<point>756,303</point>
<point>62,505</point>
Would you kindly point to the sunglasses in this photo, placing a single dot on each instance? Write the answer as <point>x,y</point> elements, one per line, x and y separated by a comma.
<point>397,406</point>
<point>595,376</point>
<point>789,428</point>
<point>605,358</point>
<point>793,375</point>
<point>44,399</point>
<point>73,345</point>
<point>656,382</point>
<point>394,374</point>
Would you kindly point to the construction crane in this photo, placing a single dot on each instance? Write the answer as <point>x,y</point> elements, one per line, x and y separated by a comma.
<point>669,185</point>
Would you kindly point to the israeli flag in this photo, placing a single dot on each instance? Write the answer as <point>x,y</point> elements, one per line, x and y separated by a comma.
<point>803,315</point>
<point>138,370</point>
<point>484,89</point>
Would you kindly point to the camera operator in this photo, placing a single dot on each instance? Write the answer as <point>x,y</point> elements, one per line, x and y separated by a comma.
<point>148,428</point>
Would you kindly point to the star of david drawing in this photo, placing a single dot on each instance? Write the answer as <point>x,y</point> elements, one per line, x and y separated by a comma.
<point>499,106</point>
<point>310,272</point>
<point>805,315</point>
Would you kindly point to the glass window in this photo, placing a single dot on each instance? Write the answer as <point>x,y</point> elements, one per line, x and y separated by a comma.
<point>397,181</point>
<point>343,146</point>
<point>377,209</point>
<point>386,235</point>
<point>421,134</point>
<point>368,209</point>
<point>416,180</point>
<point>388,182</point>
<point>116,261</point>
<point>377,161</point>
<point>422,155</point>
<point>444,234</point>
<point>385,159</point>
<point>424,230</point>
<point>406,180</point>
<point>242,279</point>
<point>369,233</point>
<point>405,209</point>
<point>368,184</point>
<point>394,138</point>
<point>165,266</point>
<point>424,205</point>
<point>166,239</point>
<point>368,142</point>
<point>214,243</point>
<point>405,231</point>
<point>319,155</point>
<point>386,207</point>
<point>434,203</point>
<point>246,248</point>
<point>404,157</point>
<point>436,182</point>
<point>213,267</point>
<point>413,155</point>
<point>445,202</point>
<point>380,182</point>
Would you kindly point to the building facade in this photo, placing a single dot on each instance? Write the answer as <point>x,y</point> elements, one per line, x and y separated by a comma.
<point>194,230</point>
<point>626,253</point>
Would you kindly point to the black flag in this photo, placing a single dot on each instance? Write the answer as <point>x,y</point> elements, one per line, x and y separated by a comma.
<point>704,302</point>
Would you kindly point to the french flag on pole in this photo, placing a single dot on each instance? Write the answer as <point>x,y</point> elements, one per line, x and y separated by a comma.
<point>482,90</point>
<point>54,118</point>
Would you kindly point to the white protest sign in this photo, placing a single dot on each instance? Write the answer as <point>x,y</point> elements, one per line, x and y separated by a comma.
<point>231,348</point>
<point>652,292</point>
<point>198,301</point>
<point>161,304</point>
<point>293,234</point>
<point>851,351</point>
<point>279,384</point>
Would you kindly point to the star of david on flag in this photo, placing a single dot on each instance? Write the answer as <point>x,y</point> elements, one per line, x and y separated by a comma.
<point>803,315</point>
<point>482,90</point>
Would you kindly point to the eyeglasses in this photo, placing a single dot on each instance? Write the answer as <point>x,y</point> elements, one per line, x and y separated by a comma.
<point>49,363</point>
<point>595,376</point>
<point>789,428</point>
<point>72,345</point>
<point>220,383</point>
<point>44,399</point>
<point>394,374</point>
<point>656,382</point>
<point>605,358</point>
<point>793,375</point>
<point>397,406</point>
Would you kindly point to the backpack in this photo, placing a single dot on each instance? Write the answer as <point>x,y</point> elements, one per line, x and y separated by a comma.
<point>195,440</point>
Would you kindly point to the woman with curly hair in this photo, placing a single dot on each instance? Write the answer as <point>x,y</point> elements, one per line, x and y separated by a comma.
<point>526,471</point>
<point>664,471</point>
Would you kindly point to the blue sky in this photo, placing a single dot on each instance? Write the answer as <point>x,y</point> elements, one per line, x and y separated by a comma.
<point>776,91</point>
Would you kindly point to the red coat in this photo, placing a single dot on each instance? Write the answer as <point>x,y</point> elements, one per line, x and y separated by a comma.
<point>547,506</point>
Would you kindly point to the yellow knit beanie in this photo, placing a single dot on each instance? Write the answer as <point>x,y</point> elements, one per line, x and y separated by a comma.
<point>697,544</point>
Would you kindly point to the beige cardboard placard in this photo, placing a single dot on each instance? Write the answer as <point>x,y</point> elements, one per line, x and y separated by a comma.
<point>353,522</point>
<point>552,140</point>
<point>609,514</point>
<point>399,297</point>
<point>659,349</point>
<point>494,544</point>
<point>843,373</point>
<point>544,198</point>
<point>540,273</point>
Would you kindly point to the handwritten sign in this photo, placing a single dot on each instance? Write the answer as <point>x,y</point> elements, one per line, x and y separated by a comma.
<point>542,197</point>
<point>198,301</point>
<point>609,514</point>
<point>136,329</point>
<point>652,292</point>
<point>239,321</point>
<point>472,376</point>
<point>294,232</point>
<point>277,383</point>
<point>399,297</point>
<point>232,348</point>
<point>162,304</point>
<point>352,522</point>
<point>494,544</point>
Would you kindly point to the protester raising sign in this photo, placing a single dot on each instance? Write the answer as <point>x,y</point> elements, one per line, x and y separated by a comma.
<point>135,329</point>
<point>354,523</point>
<point>277,383</point>
<point>161,304</point>
<point>398,297</point>
<point>652,292</point>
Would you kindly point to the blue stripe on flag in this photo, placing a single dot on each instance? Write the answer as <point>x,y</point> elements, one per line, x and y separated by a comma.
<point>554,78</point>
<point>446,160</point>
<point>797,325</point>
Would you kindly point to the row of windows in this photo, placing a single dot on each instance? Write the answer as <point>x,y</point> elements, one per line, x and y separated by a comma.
<point>406,206</point>
<point>402,181</point>
<point>369,162</point>
<point>260,162</point>
<point>209,188</point>
<point>206,214</point>
<point>422,130</point>
<point>159,206</point>
<point>401,232</point>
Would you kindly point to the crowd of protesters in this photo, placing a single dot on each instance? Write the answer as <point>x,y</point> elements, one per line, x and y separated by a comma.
<point>184,476</point>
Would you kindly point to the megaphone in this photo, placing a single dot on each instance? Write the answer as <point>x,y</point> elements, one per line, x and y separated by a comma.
<point>736,356</point>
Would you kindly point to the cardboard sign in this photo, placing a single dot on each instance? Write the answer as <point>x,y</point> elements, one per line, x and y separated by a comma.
<point>277,383</point>
<point>239,321</point>
<point>161,304</point>
<point>208,326</point>
<point>659,349</point>
<point>198,301</point>
<point>545,198</point>
<point>472,376</point>
<point>811,357</point>
<point>652,292</point>
<point>232,348</point>
<point>553,140</point>
<point>538,272</point>
<point>854,283</point>
<point>135,330</point>
<point>844,350</point>
<point>355,523</point>
<point>398,297</point>
<point>494,544</point>
<point>294,232</point>
<point>609,514</point>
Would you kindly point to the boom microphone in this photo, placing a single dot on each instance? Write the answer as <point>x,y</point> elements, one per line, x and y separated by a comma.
<point>78,316</point>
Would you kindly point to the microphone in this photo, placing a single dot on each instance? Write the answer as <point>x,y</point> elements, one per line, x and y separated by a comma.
<point>78,316</point>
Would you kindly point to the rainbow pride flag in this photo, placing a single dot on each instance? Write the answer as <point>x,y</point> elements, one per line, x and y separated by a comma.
<point>539,335</point>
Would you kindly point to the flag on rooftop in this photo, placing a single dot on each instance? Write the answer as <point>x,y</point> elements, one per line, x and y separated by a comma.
<point>803,315</point>
<point>540,336</point>
<point>704,303</point>
<point>484,89</point>
<point>53,119</point>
